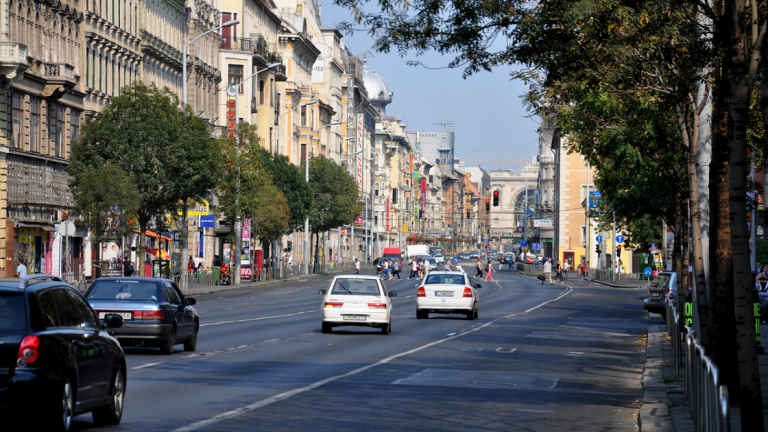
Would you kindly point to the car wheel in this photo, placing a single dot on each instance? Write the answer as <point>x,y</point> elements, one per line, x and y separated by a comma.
<point>112,413</point>
<point>326,328</point>
<point>421,314</point>
<point>663,314</point>
<point>191,344</point>
<point>477,311</point>
<point>63,408</point>
<point>387,328</point>
<point>471,314</point>
<point>167,347</point>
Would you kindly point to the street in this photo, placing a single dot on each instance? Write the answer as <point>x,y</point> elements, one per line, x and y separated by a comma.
<point>539,358</point>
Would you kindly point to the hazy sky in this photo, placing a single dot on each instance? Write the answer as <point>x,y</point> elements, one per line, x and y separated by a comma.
<point>489,119</point>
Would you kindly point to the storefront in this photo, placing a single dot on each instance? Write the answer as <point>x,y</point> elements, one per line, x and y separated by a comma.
<point>33,246</point>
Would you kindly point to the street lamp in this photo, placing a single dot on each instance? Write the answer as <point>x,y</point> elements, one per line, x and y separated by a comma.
<point>234,90</point>
<point>306,178</point>
<point>184,95</point>
<point>279,135</point>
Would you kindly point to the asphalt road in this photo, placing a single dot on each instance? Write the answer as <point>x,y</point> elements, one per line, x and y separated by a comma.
<point>539,358</point>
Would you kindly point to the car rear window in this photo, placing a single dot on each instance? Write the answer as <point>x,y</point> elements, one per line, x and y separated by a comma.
<point>445,279</point>
<point>124,290</point>
<point>355,287</point>
<point>13,314</point>
<point>661,281</point>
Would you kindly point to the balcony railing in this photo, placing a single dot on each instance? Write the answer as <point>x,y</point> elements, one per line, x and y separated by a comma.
<point>59,72</point>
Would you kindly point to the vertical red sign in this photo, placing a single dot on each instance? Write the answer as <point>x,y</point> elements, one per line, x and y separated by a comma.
<point>387,214</point>
<point>423,195</point>
<point>231,120</point>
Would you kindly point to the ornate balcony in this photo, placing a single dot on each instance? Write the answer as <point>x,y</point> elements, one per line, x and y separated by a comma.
<point>13,59</point>
<point>58,77</point>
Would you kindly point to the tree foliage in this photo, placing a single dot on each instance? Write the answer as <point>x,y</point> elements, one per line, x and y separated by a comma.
<point>335,195</point>
<point>289,179</point>
<point>271,218</point>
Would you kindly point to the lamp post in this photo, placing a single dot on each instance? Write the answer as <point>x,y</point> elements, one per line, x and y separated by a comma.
<point>279,120</point>
<point>234,90</point>
<point>184,95</point>
<point>306,178</point>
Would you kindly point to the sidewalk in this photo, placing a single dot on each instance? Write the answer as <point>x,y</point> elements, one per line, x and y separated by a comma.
<point>665,406</point>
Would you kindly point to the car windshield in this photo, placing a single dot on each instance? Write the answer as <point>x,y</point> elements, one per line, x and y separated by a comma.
<point>126,290</point>
<point>444,279</point>
<point>661,281</point>
<point>367,287</point>
<point>13,314</point>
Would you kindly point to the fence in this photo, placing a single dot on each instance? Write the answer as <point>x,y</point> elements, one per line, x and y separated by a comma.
<point>708,399</point>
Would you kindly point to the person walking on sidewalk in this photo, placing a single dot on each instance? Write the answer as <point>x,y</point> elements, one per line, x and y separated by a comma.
<point>489,269</point>
<point>547,271</point>
<point>357,267</point>
<point>585,273</point>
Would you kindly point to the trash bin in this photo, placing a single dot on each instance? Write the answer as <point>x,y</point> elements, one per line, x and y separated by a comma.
<point>200,277</point>
<point>215,274</point>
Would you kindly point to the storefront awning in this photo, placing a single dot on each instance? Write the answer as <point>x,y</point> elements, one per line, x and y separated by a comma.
<point>223,230</point>
<point>153,234</point>
<point>43,226</point>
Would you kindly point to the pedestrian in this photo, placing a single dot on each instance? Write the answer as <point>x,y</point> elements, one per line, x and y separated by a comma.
<point>479,268</point>
<point>489,269</point>
<point>536,262</point>
<point>510,262</point>
<point>357,267</point>
<point>396,269</point>
<point>547,271</point>
<point>564,274</point>
<point>585,273</point>
<point>384,269</point>
<point>21,269</point>
<point>414,267</point>
<point>127,267</point>
<point>420,268</point>
<point>190,265</point>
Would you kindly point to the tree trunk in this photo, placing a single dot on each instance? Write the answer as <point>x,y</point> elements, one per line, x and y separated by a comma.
<point>685,255</point>
<point>724,350</point>
<point>316,262</point>
<point>749,373</point>
<point>677,257</point>
<point>184,248</point>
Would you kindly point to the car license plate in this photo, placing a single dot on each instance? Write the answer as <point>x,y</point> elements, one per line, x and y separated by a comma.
<point>125,315</point>
<point>654,295</point>
<point>355,317</point>
<point>443,293</point>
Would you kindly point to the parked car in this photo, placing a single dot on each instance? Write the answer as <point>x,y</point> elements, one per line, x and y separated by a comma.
<point>447,292</point>
<point>55,357</point>
<point>154,311</point>
<point>354,300</point>
<point>663,289</point>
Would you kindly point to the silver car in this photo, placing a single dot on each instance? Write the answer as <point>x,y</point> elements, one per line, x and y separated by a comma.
<point>663,288</point>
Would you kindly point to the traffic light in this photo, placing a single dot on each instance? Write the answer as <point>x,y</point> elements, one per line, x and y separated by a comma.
<point>495,198</point>
<point>618,250</point>
<point>597,249</point>
<point>487,205</point>
<point>468,213</point>
<point>290,245</point>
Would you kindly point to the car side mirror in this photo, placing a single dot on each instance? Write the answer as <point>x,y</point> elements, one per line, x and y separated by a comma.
<point>113,321</point>
<point>322,292</point>
<point>393,293</point>
<point>478,286</point>
<point>191,301</point>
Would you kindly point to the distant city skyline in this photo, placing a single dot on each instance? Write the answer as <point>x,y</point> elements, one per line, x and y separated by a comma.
<point>488,116</point>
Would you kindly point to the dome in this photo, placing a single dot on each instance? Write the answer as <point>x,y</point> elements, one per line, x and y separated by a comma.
<point>379,92</point>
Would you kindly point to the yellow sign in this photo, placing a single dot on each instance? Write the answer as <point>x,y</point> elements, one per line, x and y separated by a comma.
<point>468,175</point>
<point>200,209</point>
<point>404,229</point>
<point>468,205</point>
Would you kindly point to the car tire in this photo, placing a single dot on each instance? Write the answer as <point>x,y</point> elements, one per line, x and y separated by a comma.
<point>191,344</point>
<point>471,314</point>
<point>477,312</point>
<point>112,414</point>
<point>663,314</point>
<point>167,347</point>
<point>387,328</point>
<point>420,314</point>
<point>326,328</point>
<point>62,409</point>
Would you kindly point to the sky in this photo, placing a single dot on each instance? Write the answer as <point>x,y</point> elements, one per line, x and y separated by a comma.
<point>488,115</point>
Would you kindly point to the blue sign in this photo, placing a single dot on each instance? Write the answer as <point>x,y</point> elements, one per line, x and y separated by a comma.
<point>599,239</point>
<point>206,221</point>
<point>536,246</point>
<point>523,242</point>
<point>619,238</point>
<point>648,272</point>
<point>175,236</point>
<point>594,199</point>
<point>529,213</point>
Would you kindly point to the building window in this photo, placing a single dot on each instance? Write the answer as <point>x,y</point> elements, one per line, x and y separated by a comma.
<point>74,126</point>
<point>303,119</point>
<point>55,127</point>
<point>271,94</point>
<point>261,92</point>
<point>303,151</point>
<point>236,76</point>
<point>34,124</point>
<point>17,117</point>
<point>583,234</point>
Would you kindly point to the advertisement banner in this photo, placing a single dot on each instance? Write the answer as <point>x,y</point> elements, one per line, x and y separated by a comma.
<point>387,214</point>
<point>543,223</point>
<point>359,154</point>
<point>423,195</point>
<point>231,117</point>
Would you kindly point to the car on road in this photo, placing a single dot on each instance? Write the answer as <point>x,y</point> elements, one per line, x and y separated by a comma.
<point>429,262</point>
<point>439,258</point>
<point>154,311</point>
<point>355,300</point>
<point>464,256</point>
<point>662,289</point>
<point>447,292</point>
<point>56,360</point>
<point>449,257</point>
<point>474,254</point>
<point>509,256</point>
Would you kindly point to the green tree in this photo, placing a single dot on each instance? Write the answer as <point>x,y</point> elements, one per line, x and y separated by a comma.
<point>105,206</point>
<point>335,197</point>
<point>145,132</point>
<point>271,218</point>
<point>290,180</point>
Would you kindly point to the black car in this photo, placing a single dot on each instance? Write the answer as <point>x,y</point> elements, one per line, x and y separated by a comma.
<point>154,311</point>
<point>56,360</point>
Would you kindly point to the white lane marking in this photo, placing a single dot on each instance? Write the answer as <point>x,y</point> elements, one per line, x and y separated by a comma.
<point>257,319</point>
<point>535,411</point>
<point>451,334</point>
<point>146,365</point>
<point>285,395</point>
<point>568,291</point>
<point>499,350</point>
<point>554,383</point>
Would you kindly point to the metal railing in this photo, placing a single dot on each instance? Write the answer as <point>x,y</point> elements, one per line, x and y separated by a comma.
<point>676,334</point>
<point>708,399</point>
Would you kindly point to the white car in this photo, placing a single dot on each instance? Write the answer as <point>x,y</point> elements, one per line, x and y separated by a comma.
<point>439,259</point>
<point>447,292</point>
<point>355,300</point>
